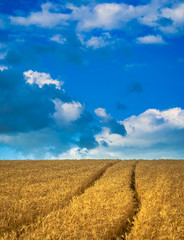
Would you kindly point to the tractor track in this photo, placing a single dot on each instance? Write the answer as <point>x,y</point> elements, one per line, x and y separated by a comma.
<point>93,179</point>
<point>130,221</point>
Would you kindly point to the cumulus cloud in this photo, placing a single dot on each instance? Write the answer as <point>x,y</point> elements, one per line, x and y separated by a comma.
<point>47,18</point>
<point>160,16</point>
<point>2,68</point>
<point>109,16</point>
<point>58,38</point>
<point>41,79</point>
<point>152,134</point>
<point>154,120</point>
<point>150,39</point>
<point>96,42</point>
<point>149,128</point>
<point>175,15</point>
<point>112,125</point>
<point>99,152</point>
<point>66,113</point>
<point>148,136</point>
<point>106,16</point>
<point>31,122</point>
<point>74,153</point>
<point>112,139</point>
<point>101,112</point>
<point>23,108</point>
<point>111,152</point>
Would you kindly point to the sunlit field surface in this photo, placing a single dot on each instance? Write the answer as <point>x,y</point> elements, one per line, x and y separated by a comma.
<point>32,189</point>
<point>160,190</point>
<point>92,199</point>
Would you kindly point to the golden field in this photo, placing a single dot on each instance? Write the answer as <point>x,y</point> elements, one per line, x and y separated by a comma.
<point>32,189</point>
<point>160,192</point>
<point>92,199</point>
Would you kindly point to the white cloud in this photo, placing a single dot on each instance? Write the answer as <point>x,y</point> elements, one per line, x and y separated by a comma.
<point>44,18</point>
<point>65,113</point>
<point>175,13</point>
<point>99,152</point>
<point>101,112</point>
<point>96,42</point>
<point>147,134</point>
<point>2,68</point>
<point>106,16</point>
<point>150,39</point>
<point>110,16</point>
<point>145,130</point>
<point>154,120</point>
<point>58,38</point>
<point>41,79</point>
<point>74,153</point>
<point>152,134</point>
<point>108,137</point>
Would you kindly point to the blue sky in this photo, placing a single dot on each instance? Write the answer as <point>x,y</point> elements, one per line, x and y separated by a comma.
<point>91,79</point>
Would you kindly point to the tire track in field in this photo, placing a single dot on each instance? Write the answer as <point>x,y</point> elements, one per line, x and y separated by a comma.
<point>89,183</point>
<point>130,222</point>
<point>133,187</point>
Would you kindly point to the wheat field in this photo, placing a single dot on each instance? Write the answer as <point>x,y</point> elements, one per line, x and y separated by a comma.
<point>160,191</point>
<point>92,199</point>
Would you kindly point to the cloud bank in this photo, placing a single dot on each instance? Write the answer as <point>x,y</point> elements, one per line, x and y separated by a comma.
<point>160,17</point>
<point>148,136</point>
<point>55,126</point>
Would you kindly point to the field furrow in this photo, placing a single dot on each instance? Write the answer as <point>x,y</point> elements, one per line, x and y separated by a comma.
<point>160,189</point>
<point>100,213</point>
<point>29,190</point>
